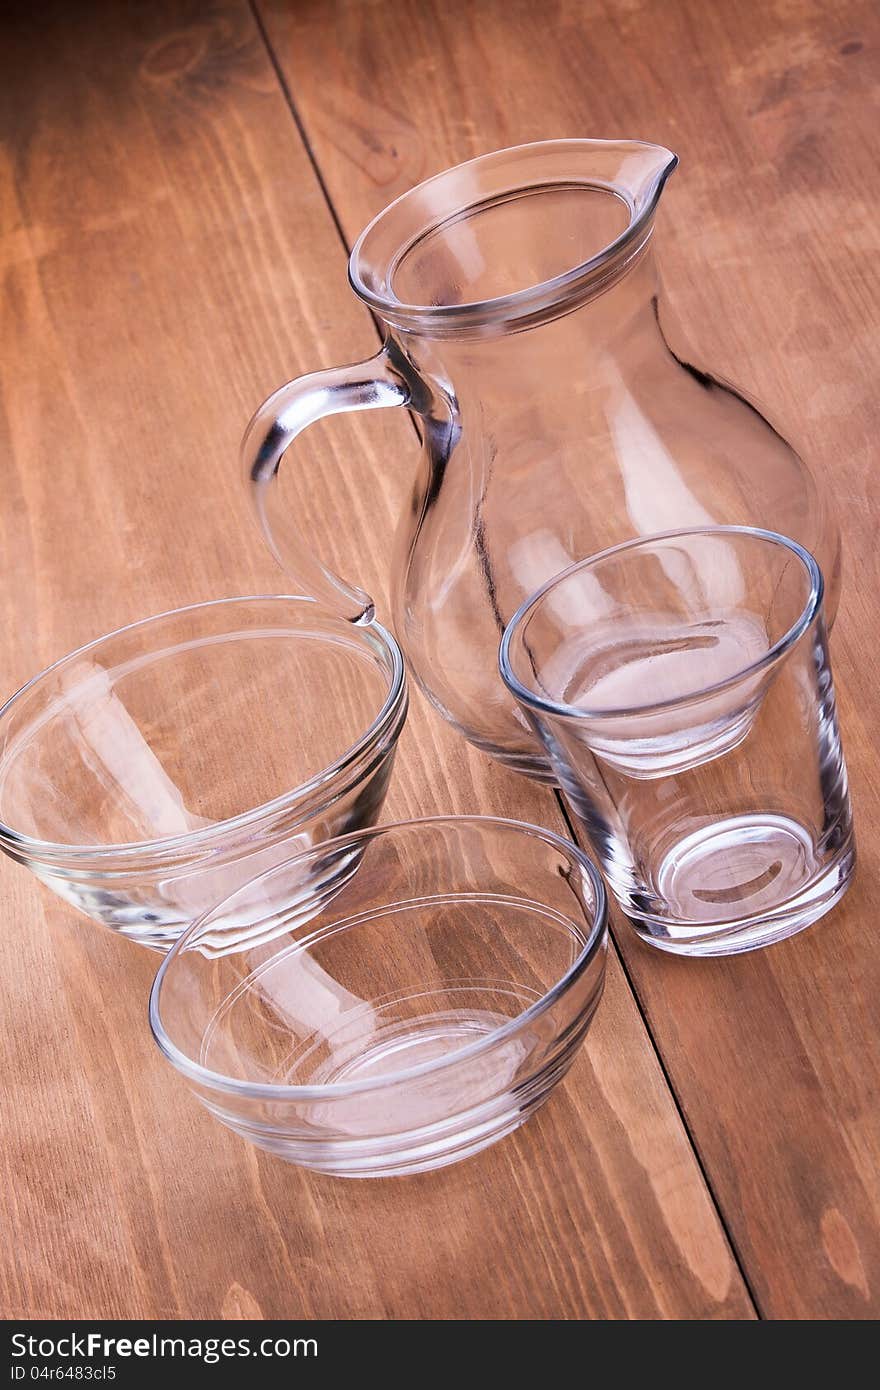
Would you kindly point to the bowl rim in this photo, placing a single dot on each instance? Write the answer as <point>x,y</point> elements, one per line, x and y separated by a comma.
<point>596,937</point>
<point>391,714</point>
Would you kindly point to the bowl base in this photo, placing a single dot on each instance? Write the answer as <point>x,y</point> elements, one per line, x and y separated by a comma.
<point>411,1042</point>
<point>424,1158</point>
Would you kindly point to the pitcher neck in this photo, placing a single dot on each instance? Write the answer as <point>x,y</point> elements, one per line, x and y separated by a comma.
<point>594,339</point>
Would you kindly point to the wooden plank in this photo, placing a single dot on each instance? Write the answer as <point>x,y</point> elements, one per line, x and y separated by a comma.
<point>167,259</point>
<point>769,243</point>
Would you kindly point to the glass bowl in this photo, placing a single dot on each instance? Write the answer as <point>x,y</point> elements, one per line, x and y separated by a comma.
<point>423,1010</point>
<point>149,773</point>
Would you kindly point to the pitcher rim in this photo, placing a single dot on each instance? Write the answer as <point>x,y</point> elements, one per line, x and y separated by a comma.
<point>547,297</point>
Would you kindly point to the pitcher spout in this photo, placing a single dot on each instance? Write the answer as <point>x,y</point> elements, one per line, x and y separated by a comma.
<point>641,174</point>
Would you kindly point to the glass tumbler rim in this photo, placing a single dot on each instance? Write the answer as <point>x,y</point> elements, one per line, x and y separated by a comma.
<point>520,306</point>
<point>217,1081</point>
<point>771,657</point>
<point>145,851</point>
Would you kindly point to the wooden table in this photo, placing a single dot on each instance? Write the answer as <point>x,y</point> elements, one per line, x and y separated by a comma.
<point>180,183</point>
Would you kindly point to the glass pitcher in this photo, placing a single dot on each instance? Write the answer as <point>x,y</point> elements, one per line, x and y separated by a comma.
<point>520,300</point>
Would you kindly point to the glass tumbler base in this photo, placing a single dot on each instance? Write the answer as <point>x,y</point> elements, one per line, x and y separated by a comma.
<point>762,868</point>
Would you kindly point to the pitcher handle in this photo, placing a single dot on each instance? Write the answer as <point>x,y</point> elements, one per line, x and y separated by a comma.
<point>284,415</point>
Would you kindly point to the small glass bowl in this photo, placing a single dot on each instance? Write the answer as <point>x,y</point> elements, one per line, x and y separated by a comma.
<point>425,1009</point>
<point>148,774</point>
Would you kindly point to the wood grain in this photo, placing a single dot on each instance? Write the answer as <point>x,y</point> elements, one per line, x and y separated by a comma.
<point>167,259</point>
<point>769,241</point>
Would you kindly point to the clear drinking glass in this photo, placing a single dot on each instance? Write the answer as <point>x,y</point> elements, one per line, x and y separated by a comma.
<point>681,685</point>
<point>423,1010</point>
<point>146,775</point>
<point>559,411</point>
